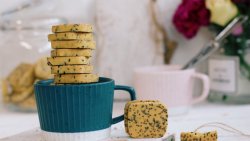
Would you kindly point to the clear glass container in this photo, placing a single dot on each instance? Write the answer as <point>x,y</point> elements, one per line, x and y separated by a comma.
<point>23,43</point>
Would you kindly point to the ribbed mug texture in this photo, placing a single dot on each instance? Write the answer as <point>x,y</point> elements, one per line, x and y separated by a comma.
<point>75,107</point>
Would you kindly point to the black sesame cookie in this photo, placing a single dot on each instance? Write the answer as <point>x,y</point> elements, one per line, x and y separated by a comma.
<point>80,44</point>
<point>195,136</point>
<point>146,119</point>
<point>70,36</point>
<point>79,60</point>
<point>72,28</point>
<point>71,69</point>
<point>126,111</point>
<point>71,52</point>
<point>75,78</point>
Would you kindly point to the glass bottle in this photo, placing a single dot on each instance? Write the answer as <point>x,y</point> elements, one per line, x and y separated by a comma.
<point>229,73</point>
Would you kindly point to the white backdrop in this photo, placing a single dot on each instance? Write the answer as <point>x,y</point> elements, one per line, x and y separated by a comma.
<point>85,11</point>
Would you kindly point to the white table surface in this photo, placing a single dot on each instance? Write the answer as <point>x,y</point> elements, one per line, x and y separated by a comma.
<point>238,116</point>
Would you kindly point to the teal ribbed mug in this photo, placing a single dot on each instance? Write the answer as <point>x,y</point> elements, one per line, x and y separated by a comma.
<point>77,112</point>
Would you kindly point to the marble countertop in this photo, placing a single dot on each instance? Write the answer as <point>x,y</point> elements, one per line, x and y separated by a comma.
<point>25,126</point>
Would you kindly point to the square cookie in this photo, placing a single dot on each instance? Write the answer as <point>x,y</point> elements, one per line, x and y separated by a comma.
<point>146,119</point>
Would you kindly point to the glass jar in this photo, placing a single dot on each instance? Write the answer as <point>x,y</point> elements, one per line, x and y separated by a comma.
<point>23,50</point>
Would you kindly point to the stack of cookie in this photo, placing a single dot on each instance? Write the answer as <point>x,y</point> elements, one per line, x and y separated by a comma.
<point>72,46</point>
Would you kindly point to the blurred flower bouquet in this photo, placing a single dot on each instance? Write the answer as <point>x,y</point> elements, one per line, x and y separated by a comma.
<point>191,15</point>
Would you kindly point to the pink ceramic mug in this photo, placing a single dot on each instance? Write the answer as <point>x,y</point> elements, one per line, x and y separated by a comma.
<point>169,84</point>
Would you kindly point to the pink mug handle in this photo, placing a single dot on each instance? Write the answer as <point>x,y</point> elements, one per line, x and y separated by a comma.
<point>205,90</point>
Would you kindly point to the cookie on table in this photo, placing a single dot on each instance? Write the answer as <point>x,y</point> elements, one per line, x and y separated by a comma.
<point>71,52</point>
<point>75,78</point>
<point>71,69</point>
<point>57,61</point>
<point>42,69</point>
<point>22,76</point>
<point>17,97</point>
<point>195,136</point>
<point>126,111</point>
<point>70,36</point>
<point>146,119</point>
<point>72,28</point>
<point>80,44</point>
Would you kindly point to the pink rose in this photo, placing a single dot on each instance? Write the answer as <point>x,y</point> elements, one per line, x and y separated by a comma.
<point>237,30</point>
<point>190,16</point>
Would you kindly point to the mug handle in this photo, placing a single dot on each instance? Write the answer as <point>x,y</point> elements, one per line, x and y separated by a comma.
<point>131,91</point>
<point>205,90</point>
